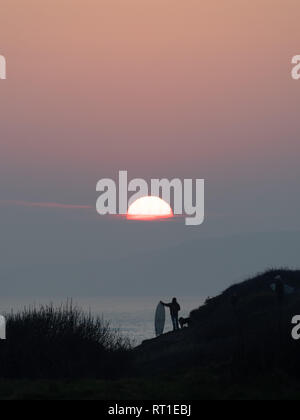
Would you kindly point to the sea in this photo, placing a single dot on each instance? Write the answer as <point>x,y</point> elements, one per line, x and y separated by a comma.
<point>133,317</point>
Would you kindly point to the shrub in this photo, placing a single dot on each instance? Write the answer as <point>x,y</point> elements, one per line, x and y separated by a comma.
<point>61,342</point>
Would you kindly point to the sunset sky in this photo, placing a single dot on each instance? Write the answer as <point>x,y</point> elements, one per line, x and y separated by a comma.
<point>160,88</point>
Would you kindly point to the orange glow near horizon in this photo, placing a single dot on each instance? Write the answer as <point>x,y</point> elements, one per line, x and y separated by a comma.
<point>149,208</point>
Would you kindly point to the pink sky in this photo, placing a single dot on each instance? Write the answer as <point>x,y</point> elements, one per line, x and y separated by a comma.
<point>115,83</point>
<point>160,88</point>
<point>156,87</point>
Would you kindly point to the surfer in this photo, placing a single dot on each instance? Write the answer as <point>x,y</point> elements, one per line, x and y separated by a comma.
<point>174,310</point>
<point>279,289</point>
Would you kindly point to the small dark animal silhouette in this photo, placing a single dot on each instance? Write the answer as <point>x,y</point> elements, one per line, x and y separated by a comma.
<point>184,322</point>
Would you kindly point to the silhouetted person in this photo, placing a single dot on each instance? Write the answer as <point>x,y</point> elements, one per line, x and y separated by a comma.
<point>234,301</point>
<point>239,356</point>
<point>174,310</point>
<point>280,294</point>
<point>279,289</point>
<point>207,300</point>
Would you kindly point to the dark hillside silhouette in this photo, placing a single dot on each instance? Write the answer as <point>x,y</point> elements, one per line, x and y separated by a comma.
<point>244,329</point>
<point>238,346</point>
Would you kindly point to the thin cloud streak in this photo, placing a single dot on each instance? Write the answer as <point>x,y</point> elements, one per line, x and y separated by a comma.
<point>48,205</point>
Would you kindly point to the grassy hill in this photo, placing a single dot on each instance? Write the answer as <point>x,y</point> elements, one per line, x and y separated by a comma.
<point>244,329</point>
<point>238,346</point>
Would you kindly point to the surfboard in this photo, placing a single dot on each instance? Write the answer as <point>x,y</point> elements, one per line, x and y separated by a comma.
<point>160,319</point>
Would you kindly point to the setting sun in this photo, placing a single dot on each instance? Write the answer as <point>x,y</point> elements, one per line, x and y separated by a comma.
<point>149,208</point>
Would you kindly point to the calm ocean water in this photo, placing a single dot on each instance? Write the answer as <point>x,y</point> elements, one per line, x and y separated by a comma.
<point>134,317</point>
